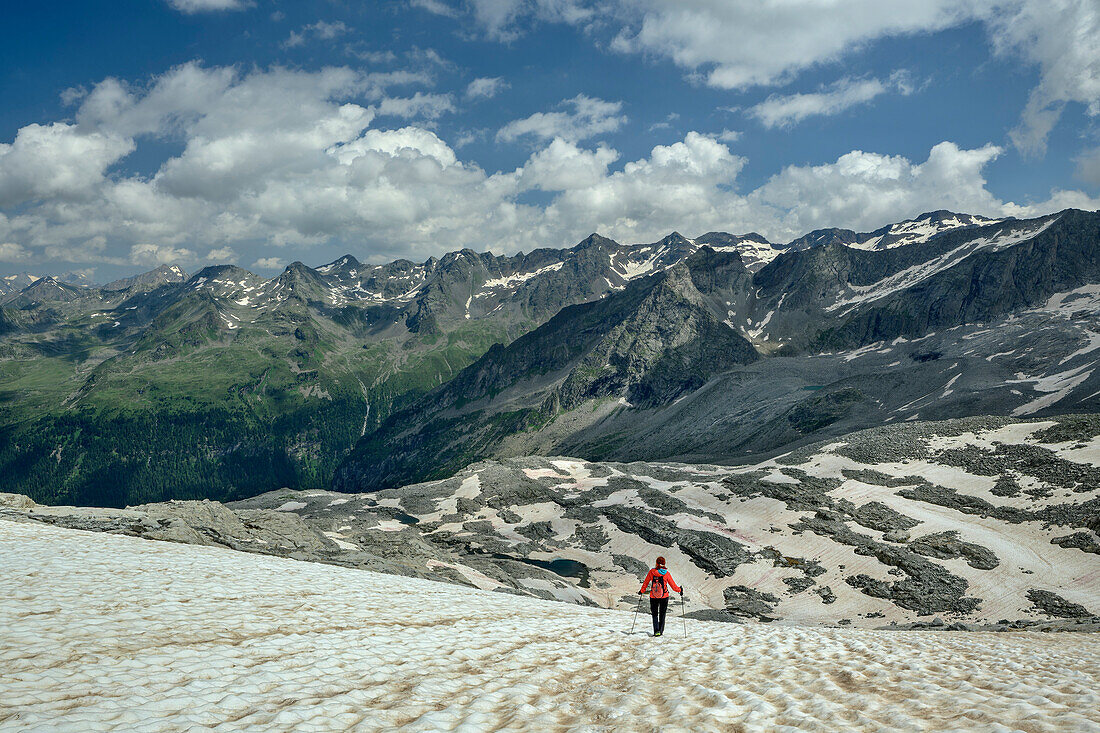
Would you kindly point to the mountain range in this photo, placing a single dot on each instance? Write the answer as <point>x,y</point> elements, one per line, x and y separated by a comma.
<point>360,376</point>
<point>707,361</point>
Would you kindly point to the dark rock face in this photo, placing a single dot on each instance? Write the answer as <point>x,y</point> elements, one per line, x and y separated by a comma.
<point>824,410</point>
<point>982,286</point>
<point>371,338</point>
<point>632,566</point>
<point>1083,541</point>
<point>1006,486</point>
<point>947,546</point>
<point>1053,604</point>
<point>591,538</point>
<point>716,614</point>
<point>149,280</point>
<point>963,503</point>
<point>667,345</point>
<point>680,366</point>
<point>1036,461</point>
<point>797,585</point>
<point>878,516</point>
<point>749,603</point>
<point>927,588</point>
<point>926,591</point>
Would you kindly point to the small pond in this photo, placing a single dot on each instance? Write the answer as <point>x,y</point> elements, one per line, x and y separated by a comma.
<point>562,567</point>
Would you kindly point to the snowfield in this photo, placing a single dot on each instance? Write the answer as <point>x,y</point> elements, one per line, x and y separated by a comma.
<point>107,632</point>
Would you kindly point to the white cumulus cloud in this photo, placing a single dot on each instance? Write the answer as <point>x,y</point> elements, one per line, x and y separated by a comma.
<point>269,263</point>
<point>1061,37</point>
<point>736,44</point>
<point>437,7</point>
<point>58,161</point>
<point>686,183</point>
<point>485,87</point>
<point>562,166</point>
<point>504,20</point>
<point>157,254</point>
<point>321,30</point>
<point>787,110</point>
<point>426,105</point>
<point>201,6</point>
<point>741,43</point>
<point>12,252</point>
<point>863,190</point>
<point>590,116</point>
<point>222,254</point>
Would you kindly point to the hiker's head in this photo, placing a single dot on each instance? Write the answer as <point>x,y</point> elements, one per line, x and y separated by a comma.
<point>660,562</point>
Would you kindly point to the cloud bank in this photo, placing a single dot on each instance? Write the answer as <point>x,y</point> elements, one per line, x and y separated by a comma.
<point>293,159</point>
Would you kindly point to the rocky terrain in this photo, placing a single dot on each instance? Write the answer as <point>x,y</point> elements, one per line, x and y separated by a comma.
<point>963,524</point>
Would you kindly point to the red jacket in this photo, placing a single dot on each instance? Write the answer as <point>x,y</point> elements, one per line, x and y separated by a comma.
<point>660,590</point>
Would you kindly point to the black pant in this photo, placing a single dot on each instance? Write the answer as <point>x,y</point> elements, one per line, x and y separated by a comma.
<point>658,607</point>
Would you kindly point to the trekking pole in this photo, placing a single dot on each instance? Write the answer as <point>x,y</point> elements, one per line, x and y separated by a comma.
<point>636,610</point>
<point>683,615</point>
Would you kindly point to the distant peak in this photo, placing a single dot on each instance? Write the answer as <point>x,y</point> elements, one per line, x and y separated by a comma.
<point>727,239</point>
<point>343,261</point>
<point>935,215</point>
<point>945,215</point>
<point>214,270</point>
<point>595,240</point>
<point>298,267</point>
<point>675,239</point>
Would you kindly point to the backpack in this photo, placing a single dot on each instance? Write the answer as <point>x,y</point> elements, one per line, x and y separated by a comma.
<point>659,577</point>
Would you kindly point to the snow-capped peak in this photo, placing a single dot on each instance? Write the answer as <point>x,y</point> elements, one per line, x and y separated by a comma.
<point>755,250</point>
<point>920,229</point>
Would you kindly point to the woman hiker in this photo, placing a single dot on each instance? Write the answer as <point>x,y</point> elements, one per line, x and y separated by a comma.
<point>661,581</point>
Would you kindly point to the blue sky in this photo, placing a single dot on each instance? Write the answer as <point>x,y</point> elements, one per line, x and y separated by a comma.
<point>261,132</point>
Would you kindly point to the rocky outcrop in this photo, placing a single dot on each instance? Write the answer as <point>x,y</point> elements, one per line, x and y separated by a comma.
<point>1054,605</point>
<point>1083,541</point>
<point>749,603</point>
<point>948,546</point>
<point>16,501</point>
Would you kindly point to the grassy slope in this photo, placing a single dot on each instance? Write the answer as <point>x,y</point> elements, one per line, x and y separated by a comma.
<point>231,413</point>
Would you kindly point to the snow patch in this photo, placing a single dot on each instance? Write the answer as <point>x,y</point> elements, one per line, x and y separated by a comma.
<point>1057,385</point>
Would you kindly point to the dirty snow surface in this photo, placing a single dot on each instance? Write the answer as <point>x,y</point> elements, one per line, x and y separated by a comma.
<point>107,632</point>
